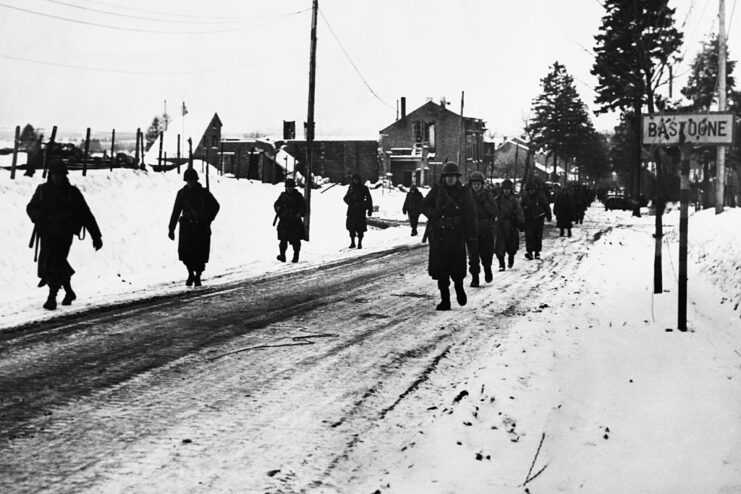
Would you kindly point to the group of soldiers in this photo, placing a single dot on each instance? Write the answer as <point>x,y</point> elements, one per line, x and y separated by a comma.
<point>472,222</point>
<point>466,223</point>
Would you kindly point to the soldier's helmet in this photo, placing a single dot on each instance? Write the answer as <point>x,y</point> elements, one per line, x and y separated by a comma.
<point>450,168</point>
<point>290,182</point>
<point>477,177</point>
<point>190,174</point>
<point>57,167</point>
<point>507,184</point>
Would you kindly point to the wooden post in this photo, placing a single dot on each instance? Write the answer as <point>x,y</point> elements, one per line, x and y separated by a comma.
<point>159,156</point>
<point>207,167</point>
<point>658,223</point>
<point>136,148</point>
<point>684,195</point>
<point>15,151</point>
<point>178,155</point>
<point>86,153</point>
<point>720,164</point>
<point>221,157</point>
<point>113,149</point>
<point>190,153</point>
<point>310,118</point>
<point>45,155</point>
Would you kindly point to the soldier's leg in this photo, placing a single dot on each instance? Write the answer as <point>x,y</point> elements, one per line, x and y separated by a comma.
<point>460,293</point>
<point>69,294</point>
<point>51,299</point>
<point>360,240</point>
<point>197,270</point>
<point>444,286</point>
<point>473,262</point>
<point>296,249</point>
<point>191,274</point>
<point>282,246</point>
<point>352,239</point>
<point>414,222</point>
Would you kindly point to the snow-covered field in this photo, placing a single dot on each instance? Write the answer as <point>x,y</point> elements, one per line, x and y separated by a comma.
<point>591,389</point>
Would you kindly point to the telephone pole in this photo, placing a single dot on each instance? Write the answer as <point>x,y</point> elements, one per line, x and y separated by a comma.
<point>310,118</point>
<point>462,140</point>
<point>720,173</point>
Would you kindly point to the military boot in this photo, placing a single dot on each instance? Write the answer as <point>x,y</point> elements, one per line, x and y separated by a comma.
<point>488,276</point>
<point>510,261</point>
<point>360,242</point>
<point>475,280</point>
<point>69,294</point>
<point>444,297</point>
<point>295,256</point>
<point>51,300</point>
<point>460,293</point>
<point>197,278</point>
<point>352,241</point>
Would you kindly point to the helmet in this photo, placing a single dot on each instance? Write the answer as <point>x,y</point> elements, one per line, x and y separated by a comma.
<point>450,168</point>
<point>58,167</point>
<point>507,184</point>
<point>190,174</point>
<point>476,176</point>
<point>290,182</point>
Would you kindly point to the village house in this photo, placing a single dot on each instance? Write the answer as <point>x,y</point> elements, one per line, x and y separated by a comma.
<point>171,148</point>
<point>337,158</point>
<point>415,147</point>
<point>252,158</point>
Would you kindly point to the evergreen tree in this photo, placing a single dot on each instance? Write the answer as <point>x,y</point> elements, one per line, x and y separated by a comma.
<point>702,85</point>
<point>153,131</point>
<point>635,46</point>
<point>28,137</point>
<point>560,123</point>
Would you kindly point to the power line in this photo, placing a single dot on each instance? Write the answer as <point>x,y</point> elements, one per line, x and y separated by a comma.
<point>156,12</point>
<point>168,20</point>
<point>120,28</point>
<point>122,71</point>
<point>351,62</point>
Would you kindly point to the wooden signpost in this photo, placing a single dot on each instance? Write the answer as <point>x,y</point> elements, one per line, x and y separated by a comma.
<point>685,130</point>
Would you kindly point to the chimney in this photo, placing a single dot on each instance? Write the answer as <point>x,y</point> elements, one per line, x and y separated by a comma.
<point>403,107</point>
<point>443,102</point>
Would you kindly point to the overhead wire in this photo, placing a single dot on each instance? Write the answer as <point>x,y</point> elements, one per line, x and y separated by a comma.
<point>355,67</point>
<point>156,12</point>
<point>142,30</point>
<point>169,20</point>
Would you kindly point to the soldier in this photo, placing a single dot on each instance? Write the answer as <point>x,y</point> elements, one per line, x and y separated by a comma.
<point>195,208</point>
<point>536,208</point>
<point>59,211</point>
<point>486,210</point>
<point>563,208</point>
<point>359,201</point>
<point>290,208</point>
<point>413,207</point>
<point>511,219</point>
<point>451,214</point>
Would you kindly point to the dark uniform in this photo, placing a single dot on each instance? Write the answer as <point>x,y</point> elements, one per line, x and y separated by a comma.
<point>563,208</point>
<point>413,207</point>
<point>486,213</point>
<point>537,209</point>
<point>195,208</point>
<point>290,209</point>
<point>359,202</point>
<point>59,211</point>
<point>510,220</point>
<point>451,214</point>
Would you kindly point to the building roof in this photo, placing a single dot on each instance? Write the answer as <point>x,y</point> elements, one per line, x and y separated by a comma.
<point>432,106</point>
<point>193,126</point>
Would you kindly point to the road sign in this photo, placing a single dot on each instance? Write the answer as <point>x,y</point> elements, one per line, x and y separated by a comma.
<point>698,128</point>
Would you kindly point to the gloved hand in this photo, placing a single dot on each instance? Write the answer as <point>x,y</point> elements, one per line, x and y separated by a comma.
<point>171,234</point>
<point>370,213</point>
<point>97,243</point>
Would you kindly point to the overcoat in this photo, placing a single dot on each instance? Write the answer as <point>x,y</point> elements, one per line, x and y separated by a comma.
<point>290,208</point>
<point>194,209</point>
<point>452,218</point>
<point>359,203</point>
<point>59,212</point>
<point>486,214</point>
<point>563,208</point>
<point>510,220</point>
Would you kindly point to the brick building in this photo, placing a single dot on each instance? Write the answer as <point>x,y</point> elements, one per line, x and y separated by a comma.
<point>252,158</point>
<point>337,159</point>
<point>415,147</point>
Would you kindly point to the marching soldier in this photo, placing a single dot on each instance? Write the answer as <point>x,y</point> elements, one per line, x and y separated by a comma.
<point>451,214</point>
<point>359,201</point>
<point>194,209</point>
<point>290,209</point>
<point>536,209</point>
<point>413,207</point>
<point>486,210</point>
<point>59,211</point>
<point>510,221</point>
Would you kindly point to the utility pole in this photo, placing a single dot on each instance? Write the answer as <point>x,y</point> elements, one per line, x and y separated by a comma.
<point>462,140</point>
<point>720,173</point>
<point>310,117</point>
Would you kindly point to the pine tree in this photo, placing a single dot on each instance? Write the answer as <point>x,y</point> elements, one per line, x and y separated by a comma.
<point>28,137</point>
<point>634,49</point>
<point>560,123</point>
<point>702,85</point>
<point>153,131</point>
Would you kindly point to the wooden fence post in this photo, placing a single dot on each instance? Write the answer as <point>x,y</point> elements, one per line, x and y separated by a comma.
<point>136,147</point>
<point>113,149</point>
<point>159,157</point>
<point>45,154</point>
<point>15,151</point>
<point>178,153</point>
<point>87,152</point>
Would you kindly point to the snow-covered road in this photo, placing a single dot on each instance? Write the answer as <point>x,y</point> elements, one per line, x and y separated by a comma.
<point>344,379</point>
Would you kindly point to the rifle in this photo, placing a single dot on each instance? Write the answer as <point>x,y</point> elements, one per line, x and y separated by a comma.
<point>34,243</point>
<point>275,219</point>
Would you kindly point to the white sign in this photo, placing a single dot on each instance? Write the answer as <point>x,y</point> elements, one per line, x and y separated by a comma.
<point>698,128</point>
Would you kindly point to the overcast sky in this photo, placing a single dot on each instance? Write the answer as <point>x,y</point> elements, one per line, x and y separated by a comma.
<point>112,63</point>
